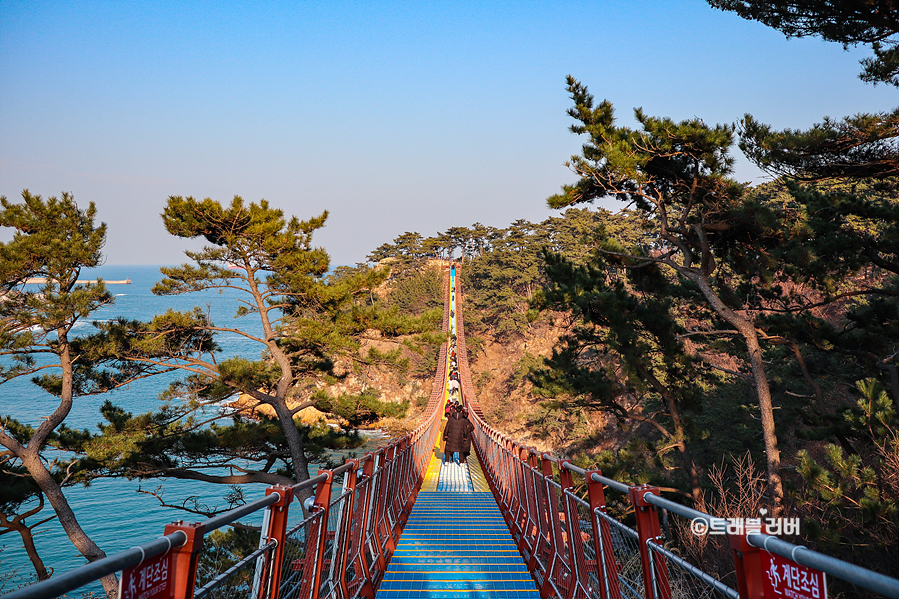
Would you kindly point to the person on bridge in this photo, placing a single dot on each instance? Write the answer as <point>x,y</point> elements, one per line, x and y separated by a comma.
<point>466,441</point>
<point>458,429</point>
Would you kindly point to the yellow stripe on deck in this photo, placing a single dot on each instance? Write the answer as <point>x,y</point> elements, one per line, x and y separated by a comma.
<point>432,475</point>
<point>478,480</point>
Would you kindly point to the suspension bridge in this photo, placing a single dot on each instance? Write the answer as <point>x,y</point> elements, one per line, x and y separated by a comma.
<point>509,522</point>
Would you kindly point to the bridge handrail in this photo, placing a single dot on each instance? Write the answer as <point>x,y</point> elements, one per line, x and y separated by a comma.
<point>858,575</point>
<point>73,579</point>
<point>510,465</point>
<point>868,579</point>
<point>399,469</point>
<point>609,482</point>
<point>63,583</point>
<point>232,515</point>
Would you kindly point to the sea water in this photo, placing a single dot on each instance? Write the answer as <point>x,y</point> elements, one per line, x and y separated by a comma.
<point>112,511</point>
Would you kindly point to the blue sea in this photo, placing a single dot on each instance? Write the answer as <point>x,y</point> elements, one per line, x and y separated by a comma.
<point>112,511</point>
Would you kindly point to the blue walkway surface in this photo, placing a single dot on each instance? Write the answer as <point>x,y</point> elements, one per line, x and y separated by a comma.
<point>456,546</point>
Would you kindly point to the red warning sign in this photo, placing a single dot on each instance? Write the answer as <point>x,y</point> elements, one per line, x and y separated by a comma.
<point>785,579</point>
<point>151,579</point>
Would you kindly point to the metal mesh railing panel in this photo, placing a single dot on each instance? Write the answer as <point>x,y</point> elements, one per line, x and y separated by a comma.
<point>227,567</point>
<point>685,580</point>
<point>333,545</point>
<point>560,574</point>
<point>588,564</point>
<point>300,558</point>
<point>354,568</point>
<point>626,553</point>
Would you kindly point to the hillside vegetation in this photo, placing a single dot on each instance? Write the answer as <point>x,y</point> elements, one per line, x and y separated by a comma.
<point>578,351</point>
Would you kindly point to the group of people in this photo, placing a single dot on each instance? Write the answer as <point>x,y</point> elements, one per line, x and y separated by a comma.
<point>455,384</point>
<point>457,429</point>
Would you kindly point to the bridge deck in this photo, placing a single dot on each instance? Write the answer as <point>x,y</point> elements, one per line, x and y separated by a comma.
<point>456,544</point>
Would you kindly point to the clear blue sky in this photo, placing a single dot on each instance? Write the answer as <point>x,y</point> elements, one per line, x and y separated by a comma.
<point>394,116</point>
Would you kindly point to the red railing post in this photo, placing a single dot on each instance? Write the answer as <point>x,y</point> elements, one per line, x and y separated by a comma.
<point>321,504</point>
<point>347,540</point>
<point>748,562</point>
<point>648,529</point>
<point>368,589</point>
<point>368,467</point>
<point>377,510</point>
<point>185,558</point>
<point>577,559</point>
<point>536,513</point>
<point>505,455</point>
<point>388,484</point>
<point>408,470</point>
<point>509,485</point>
<point>551,514</point>
<point>606,566</point>
<point>393,464</point>
<point>517,463</point>
<point>515,486</point>
<point>277,530</point>
<point>508,478</point>
<point>530,529</point>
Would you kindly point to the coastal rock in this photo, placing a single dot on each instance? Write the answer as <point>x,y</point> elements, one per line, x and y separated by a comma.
<point>252,408</point>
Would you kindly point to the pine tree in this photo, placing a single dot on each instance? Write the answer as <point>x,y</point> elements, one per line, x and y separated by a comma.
<point>841,175</point>
<point>625,350</point>
<point>54,240</point>
<point>859,146</point>
<point>849,500</point>
<point>874,23</point>
<point>308,320</point>
<point>677,175</point>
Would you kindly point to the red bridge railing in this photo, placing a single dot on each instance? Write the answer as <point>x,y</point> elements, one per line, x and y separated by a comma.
<point>575,549</point>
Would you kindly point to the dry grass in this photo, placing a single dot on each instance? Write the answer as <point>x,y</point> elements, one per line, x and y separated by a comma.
<point>738,493</point>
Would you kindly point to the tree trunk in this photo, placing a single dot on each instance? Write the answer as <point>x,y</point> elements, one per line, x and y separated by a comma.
<point>760,378</point>
<point>295,445</point>
<point>83,543</point>
<point>894,379</point>
<point>772,453</point>
<point>686,455</point>
<point>680,435</point>
<point>31,550</point>
<point>30,457</point>
<point>819,396</point>
<point>24,531</point>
